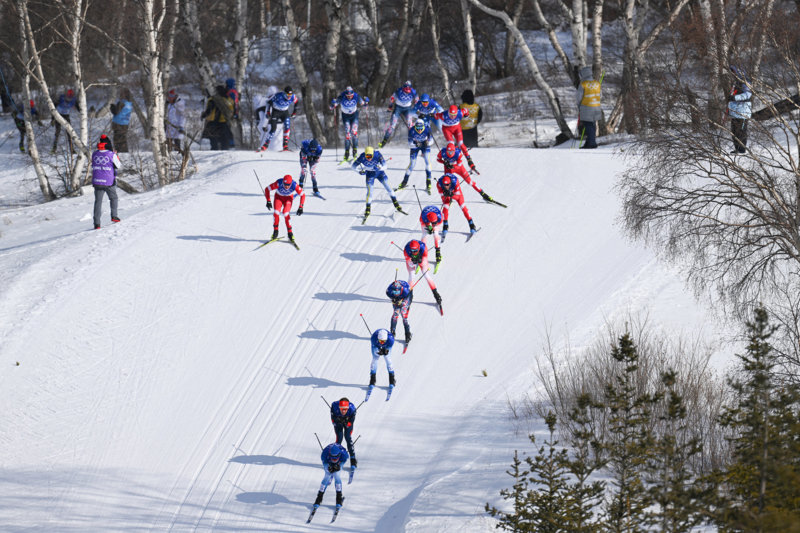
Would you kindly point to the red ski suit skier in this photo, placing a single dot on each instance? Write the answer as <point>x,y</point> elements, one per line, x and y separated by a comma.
<point>451,191</point>
<point>285,189</point>
<point>450,157</point>
<point>451,127</point>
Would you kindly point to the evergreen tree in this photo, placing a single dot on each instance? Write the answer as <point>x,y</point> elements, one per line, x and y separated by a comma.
<point>760,489</point>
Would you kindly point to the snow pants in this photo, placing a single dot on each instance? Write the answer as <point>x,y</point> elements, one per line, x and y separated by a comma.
<point>99,191</point>
<point>283,207</point>
<point>435,233</point>
<point>398,311</point>
<point>424,267</point>
<point>345,433</point>
<point>383,179</point>
<point>453,133</point>
<point>331,476</point>
<point>459,198</point>
<point>350,125</point>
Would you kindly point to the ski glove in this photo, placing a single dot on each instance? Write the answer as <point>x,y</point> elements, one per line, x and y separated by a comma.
<point>333,468</point>
<point>299,211</point>
<point>269,204</point>
<point>366,100</point>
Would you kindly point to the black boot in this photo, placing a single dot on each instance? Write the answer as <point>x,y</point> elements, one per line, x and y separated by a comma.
<point>428,185</point>
<point>275,233</point>
<point>438,298</point>
<point>339,499</point>
<point>445,226</point>
<point>372,379</point>
<point>291,235</point>
<point>438,255</point>
<point>353,461</point>
<point>472,226</point>
<point>403,184</point>
<point>391,379</point>
<point>408,334</point>
<point>318,501</point>
<point>396,204</point>
<point>366,211</point>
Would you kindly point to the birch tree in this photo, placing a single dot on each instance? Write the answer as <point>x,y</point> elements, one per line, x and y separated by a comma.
<point>152,23</point>
<point>333,9</point>
<point>381,72</point>
<point>434,26</point>
<point>469,37</point>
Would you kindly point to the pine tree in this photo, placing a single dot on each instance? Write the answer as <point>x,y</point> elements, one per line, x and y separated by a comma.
<point>760,489</point>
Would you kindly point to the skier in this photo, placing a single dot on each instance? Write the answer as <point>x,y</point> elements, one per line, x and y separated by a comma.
<point>333,457</point>
<point>450,157</point>
<point>431,220</point>
<point>284,189</point>
<point>401,295</point>
<point>382,342</point>
<point>450,190</point>
<point>343,416</point>
<point>372,165</point>
<point>66,102</point>
<point>427,108</point>
<point>419,140</point>
<point>416,256</point>
<point>402,104</point>
<point>310,150</point>
<point>348,102</point>
<point>451,129</point>
<point>261,105</point>
<point>19,122</point>
<point>175,121</point>
<point>282,107</point>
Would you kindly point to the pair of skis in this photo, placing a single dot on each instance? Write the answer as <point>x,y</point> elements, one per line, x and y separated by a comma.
<point>333,518</point>
<point>388,393</point>
<point>365,217</point>
<point>444,236</point>
<point>291,241</point>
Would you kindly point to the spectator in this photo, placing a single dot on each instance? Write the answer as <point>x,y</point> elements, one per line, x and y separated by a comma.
<point>19,121</point>
<point>175,120</point>
<point>66,102</point>
<point>740,108</point>
<point>218,111</point>
<point>122,118</point>
<point>104,179</point>
<point>469,124</point>
<point>589,111</point>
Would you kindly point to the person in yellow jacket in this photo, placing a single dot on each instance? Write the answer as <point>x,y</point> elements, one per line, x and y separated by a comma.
<point>218,112</point>
<point>469,124</point>
<point>589,111</point>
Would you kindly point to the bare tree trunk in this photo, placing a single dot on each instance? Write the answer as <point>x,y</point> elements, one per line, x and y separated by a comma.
<point>469,36</point>
<point>333,8</point>
<point>597,38</point>
<point>169,50</point>
<point>434,21</point>
<point>350,59</point>
<point>554,42</point>
<point>578,27</point>
<point>552,100</point>
<point>382,70</point>
<point>77,15</point>
<point>302,75</point>
<point>152,23</point>
<point>191,23</point>
<point>510,50</point>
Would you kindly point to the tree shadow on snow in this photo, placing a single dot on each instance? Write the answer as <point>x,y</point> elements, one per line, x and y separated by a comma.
<point>268,460</point>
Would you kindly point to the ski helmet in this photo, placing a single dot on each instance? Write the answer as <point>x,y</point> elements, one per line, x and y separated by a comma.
<point>383,336</point>
<point>335,453</point>
<point>70,93</point>
<point>414,247</point>
<point>287,180</point>
<point>348,91</point>
<point>451,149</point>
<point>369,151</point>
<point>288,90</point>
<point>446,182</point>
<point>425,100</point>
<point>432,217</point>
<point>453,111</point>
<point>313,146</point>
<point>419,125</point>
<point>396,289</point>
<point>407,86</point>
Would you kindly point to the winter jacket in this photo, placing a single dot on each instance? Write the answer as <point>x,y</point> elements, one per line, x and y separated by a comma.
<point>588,97</point>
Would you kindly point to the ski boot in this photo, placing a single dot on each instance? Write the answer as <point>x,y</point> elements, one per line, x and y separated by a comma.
<point>396,204</point>
<point>285,145</point>
<point>301,183</point>
<point>264,147</point>
<point>392,382</point>
<point>339,499</point>
<point>347,154</point>
<point>437,297</point>
<point>318,501</point>
<point>445,229</point>
<point>471,164</point>
<point>371,379</point>
<point>353,461</point>
<point>291,236</point>
<point>472,227</point>
<point>316,190</point>
<point>403,184</point>
<point>438,255</point>
<point>428,185</point>
<point>22,148</point>
<point>367,210</point>
<point>408,334</point>
<point>275,234</point>
<point>485,196</point>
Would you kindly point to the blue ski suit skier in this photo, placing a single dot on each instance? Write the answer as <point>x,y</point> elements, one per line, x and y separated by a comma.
<point>310,151</point>
<point>333,457</point>
<point>343,416</point>
<point>402,104</point>
<point>426,108</point>
<point>372,165</point>
<point>401,295</point>
<point>281,108</point>
<point>419,140</point>
<point>348,102</point>
<point>382,342</point>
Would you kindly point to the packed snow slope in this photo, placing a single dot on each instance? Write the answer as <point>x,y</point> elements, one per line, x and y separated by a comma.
<point>171,376</point>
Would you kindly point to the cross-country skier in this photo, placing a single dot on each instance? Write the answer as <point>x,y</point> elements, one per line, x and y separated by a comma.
<point>333,457</point>
<point>450,190</point>
<point>427,108</point>
<point>285,189</point>
<point>310,150</point>
<point>419,140</point>
<point>281,108</point>
<point>402,104</point>
<point>431,220</point>
<point>372,165</point>
<point>401,295</point>
<point>382,342</point>
<point>261,105</point>
<point>451,129</point>
<point>343,416</point>
<point>450,157</point>
<point>348,102</point>
<point>416,255</point>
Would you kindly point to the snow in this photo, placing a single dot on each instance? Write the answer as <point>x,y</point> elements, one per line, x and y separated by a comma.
<point>171,376</point>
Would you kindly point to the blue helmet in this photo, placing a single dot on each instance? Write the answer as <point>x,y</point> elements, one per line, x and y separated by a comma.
<point>335,454</point>
<point>230,83</point>
<point>396,289</point>
<point>349,92</point>
<point>425,99</point>
<point>313,146</point>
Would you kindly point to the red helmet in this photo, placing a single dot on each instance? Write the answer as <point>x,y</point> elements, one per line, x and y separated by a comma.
<point>344,404</point>
<point>414,247</point>
<point>287,179</point>
<point>453,111</point>
<point>432,217</point>
<point>70,93</point>
<point>33,104</point>
<point>446,181</point>
<point>451,149</point>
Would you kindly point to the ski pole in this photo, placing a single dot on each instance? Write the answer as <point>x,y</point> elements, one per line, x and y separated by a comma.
<point>324,400</point>
<point>398,247</point>
<point>359,405</point>
<point>420,279</point>
<point>359,436</point>
<point>365,323</point>
<point>417,195</point>
<point>336,132</point>
<point>320,442</point>
<point>259,181</point>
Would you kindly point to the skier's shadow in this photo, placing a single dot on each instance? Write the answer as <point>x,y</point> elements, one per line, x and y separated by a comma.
<point>224,193</point>
<point>221,238</point>
<point>329,335</point>
<point>366,258</point>
<point>345,296</point>
<point>381,229</point>
<point>267,460</point>
<point>320,383</point>
<point>265,498</point>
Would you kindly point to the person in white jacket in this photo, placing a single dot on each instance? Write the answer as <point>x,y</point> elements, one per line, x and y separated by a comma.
<point>176,120</point>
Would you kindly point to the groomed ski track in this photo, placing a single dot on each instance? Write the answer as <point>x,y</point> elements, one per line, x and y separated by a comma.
<point>170,374</point>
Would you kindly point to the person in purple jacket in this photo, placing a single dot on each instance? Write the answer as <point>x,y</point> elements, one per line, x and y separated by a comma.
<point>104,179</point>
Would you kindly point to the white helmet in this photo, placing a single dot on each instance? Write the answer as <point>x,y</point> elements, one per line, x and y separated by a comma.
<point>383,335</point>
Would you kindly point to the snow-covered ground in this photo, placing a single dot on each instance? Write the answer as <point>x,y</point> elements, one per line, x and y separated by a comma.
<point>171,377</point>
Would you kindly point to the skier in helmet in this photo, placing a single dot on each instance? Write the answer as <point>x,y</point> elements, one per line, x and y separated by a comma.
<point>285,189</point>
<point>450,157</point>
<point>382,342</point>
<point>281,107</point>
<point>349,102</point>
<point>451,129</point>
<point>310,151</point>
<point>401,295</point>
<point>402,105</point>
<point>430,220</point>
<point>343,416</point>
<point>333,457</point>
<point>372,165</point>
<point>450,190</point>
<point>416,256</point>
<point>419,141</point>
<point>426,109</point>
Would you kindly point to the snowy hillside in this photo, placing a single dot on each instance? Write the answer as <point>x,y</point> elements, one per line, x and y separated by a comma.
<point>170,375</point>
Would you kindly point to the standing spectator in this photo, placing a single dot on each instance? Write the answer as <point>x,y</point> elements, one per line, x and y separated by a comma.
<point>217,112</point>
<point>104,179</point>
<point>740,108</point>
<point>589,111</point>
<point>343,416</point>
<point>235,123</point>
<point>65,104</point>
<point>122,111</point>
<point>402,105</point>
<point>282,107</point>
<point>19,122</point>
<point>469,124</point>
<point>175,120</point>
